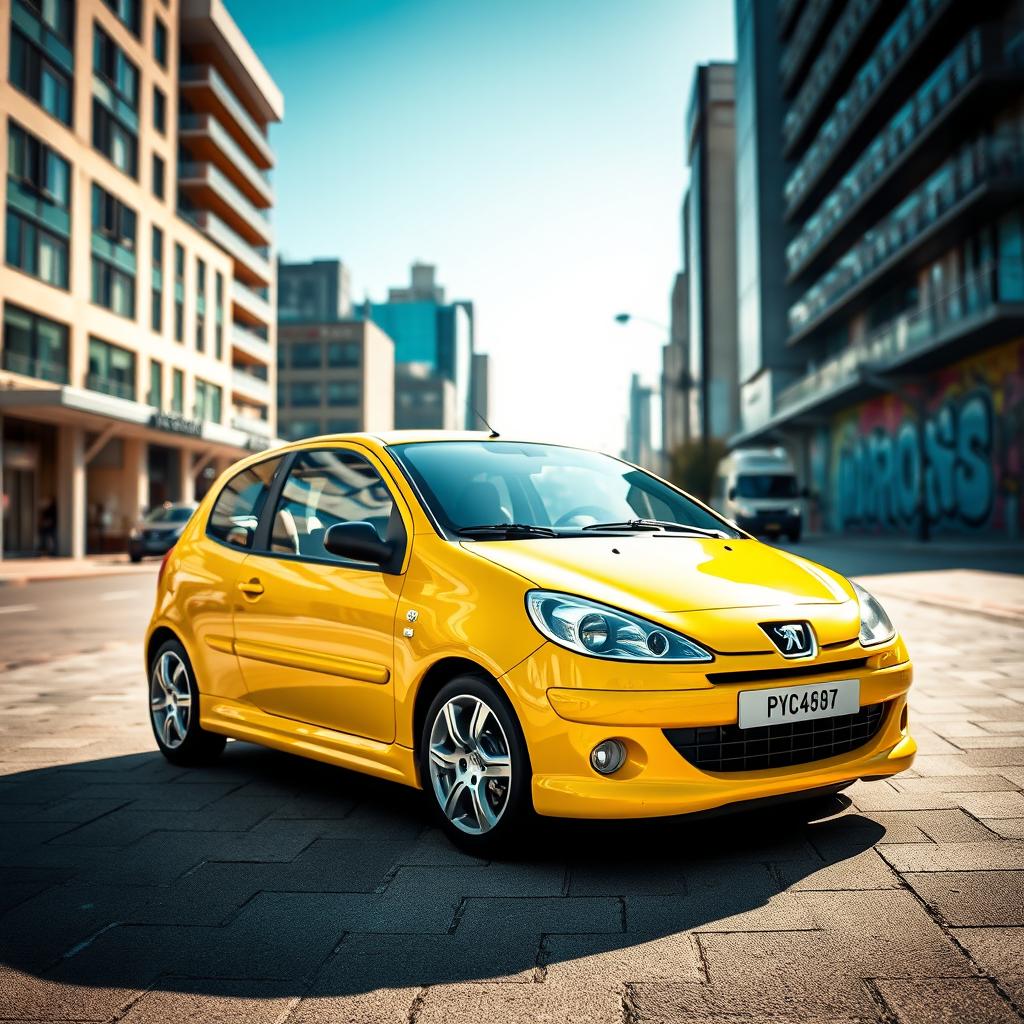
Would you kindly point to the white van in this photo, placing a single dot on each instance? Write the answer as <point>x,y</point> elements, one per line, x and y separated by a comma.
<point>757,489</point>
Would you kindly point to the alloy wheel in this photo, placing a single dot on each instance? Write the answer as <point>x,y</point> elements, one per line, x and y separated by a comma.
<point>470,764</point>
<point>170,700</point>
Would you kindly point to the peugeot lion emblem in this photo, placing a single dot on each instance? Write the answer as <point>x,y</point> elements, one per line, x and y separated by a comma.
<point>793,639</point>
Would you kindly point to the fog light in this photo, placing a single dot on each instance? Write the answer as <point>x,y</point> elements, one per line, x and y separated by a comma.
<point>608,757</point>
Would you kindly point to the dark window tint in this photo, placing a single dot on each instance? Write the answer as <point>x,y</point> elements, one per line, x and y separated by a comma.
<point>237,509</point>
<point>324,488</point>
<point>766,485</point>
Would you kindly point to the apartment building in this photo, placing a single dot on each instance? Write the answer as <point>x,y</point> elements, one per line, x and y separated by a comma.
<point>902,135</point>
<point>137,350</point>
<point>334,377</point>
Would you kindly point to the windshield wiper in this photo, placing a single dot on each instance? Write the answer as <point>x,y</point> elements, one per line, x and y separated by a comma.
<point>506,530</point>
<point>656,525</point>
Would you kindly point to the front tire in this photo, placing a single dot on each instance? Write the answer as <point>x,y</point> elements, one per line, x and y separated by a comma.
<point>174,709</point>
<point>475,767</point>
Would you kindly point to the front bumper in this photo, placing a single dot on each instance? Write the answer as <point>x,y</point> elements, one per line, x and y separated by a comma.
<point>767,522</point>
<point>562,725</point>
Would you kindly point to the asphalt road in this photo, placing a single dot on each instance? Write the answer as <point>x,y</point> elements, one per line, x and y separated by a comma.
<point>268,888</point>
<point>53,618</point>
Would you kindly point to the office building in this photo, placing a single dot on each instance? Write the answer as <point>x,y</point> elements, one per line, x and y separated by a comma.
<point>710,217</point>
<point>640,442</point>
<point>480,390</point>
<point>334,378</point>
<point>902,132</point>
<point>137,352</point>
<point>436,335</point>
<point>424,400</point>
<point>675,355</point>
<point>315,292</point>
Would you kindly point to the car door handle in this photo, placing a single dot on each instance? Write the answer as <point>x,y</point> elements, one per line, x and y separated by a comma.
<point>252,587</point>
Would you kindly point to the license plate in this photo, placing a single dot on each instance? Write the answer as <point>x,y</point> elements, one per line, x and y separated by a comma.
<point>798,703</point>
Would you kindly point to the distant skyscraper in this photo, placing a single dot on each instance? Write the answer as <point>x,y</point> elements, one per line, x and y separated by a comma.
<point>640,428</point>
<point>433,334</point>
<point>313,292</point>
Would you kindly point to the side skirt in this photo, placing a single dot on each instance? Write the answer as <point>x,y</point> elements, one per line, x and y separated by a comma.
<point>245,722</point>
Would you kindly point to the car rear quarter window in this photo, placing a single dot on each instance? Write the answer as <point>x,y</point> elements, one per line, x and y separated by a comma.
<point>237,509</point>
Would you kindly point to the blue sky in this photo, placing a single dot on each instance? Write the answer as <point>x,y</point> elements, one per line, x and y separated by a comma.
<point>532,149</point>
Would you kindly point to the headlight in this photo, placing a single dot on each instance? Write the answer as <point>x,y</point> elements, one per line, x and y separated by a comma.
<point>136,533</point>
<point>595,629</point>
<point>746,510</point>
<point>875,625</point>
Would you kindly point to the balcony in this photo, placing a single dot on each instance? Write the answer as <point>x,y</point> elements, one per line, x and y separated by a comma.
<point>207,92</point>
<point>250,386</point>
<point>786,12</point>
<point>846,37</point>
<point>30,366</point>
<point>985,61</point>
<point>251,425</point>
<point>250,306</point>
<point>207,187</point>
<point>205,138</point>
<point>807,32</point>
<point>988,307</point>
<point>853,111</point>
<point>987,173</point>
<point>252,263</point>
<point>250,345</point>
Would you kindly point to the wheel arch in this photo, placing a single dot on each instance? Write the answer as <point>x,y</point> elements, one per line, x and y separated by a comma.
<point>157,638</point>
<point>444,671</point>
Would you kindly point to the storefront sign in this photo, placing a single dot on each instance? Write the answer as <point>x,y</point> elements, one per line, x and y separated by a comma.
<point>175,424</point>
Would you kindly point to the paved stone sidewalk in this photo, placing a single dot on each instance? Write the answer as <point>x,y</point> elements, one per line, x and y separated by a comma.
<point>266,888</point>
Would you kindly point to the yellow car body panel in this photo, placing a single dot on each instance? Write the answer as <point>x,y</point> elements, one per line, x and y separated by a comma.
<point>327,661</point>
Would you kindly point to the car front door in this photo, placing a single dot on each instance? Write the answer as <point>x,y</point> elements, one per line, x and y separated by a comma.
<point>314,633</point>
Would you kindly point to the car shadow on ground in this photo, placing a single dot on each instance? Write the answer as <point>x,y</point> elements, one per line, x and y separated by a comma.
<point>128,873</point>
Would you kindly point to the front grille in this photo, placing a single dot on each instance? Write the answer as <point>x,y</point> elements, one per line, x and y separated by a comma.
<point>791,671</point>
<point>728,748</point>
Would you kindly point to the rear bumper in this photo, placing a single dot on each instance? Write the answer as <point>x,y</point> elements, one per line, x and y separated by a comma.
<point>656,779</point>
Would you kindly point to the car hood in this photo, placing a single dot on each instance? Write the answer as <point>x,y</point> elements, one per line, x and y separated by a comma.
<point>663,573</point>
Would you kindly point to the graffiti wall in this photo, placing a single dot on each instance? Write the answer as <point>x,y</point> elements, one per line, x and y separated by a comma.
<point>952,441</point>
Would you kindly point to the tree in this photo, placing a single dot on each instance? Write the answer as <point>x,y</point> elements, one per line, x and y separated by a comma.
<point>692,465</point>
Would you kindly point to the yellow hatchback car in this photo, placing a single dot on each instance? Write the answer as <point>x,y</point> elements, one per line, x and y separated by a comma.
<point>515,627</point>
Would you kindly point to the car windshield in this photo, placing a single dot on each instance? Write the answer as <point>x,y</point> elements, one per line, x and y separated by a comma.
<point>766,485</point>
<point>542,487</point>
<point>173,514</point>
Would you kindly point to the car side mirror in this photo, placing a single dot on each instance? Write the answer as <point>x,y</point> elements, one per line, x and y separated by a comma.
<point>358,542</point>
<point>732,493</point>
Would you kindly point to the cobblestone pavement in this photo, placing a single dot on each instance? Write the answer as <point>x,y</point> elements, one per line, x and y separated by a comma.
<point>266,888</point>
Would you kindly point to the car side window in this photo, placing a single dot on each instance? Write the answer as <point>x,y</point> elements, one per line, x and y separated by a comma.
<point>324,488</point>
<point>237,509</point>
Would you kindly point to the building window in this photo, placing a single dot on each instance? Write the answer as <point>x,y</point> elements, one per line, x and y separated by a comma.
<point>115,104</point>
<point>156,308</point>
<point>342,425</point>
<point>160,42</point>
<point>296,430</point>
<point>128,13</point>
<point>178,392</point>
<point>218,317</point>
<point>42,62</point>
<point>208,401</point>
<point>38,222</point>
<point>35,346</point>
<point>159,110</point>
<point>158,176</point>
<point>179,293</point>
<point>113,253</point>
<point>111,369</point>
<point>156,384</point>
<point>343,392</point>
<point>344,353</point>
<point>200,305</point>
<point>305,392</point>
<point>307,355</point>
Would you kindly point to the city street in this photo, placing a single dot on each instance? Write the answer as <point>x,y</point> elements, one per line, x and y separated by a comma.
<point>267,888</point>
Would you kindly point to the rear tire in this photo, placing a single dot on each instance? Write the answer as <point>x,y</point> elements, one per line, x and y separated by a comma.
<point>475,768</point>
<point>174,709</point>
<point>135,558</point>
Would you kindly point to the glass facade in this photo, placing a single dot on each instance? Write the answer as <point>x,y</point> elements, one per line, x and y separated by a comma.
<point>111,369</point>
<point>34,345</point>
<point>113,253</point>
<point>42,63</point>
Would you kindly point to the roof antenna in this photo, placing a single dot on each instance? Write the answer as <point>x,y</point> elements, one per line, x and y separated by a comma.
<point>493,433</point>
